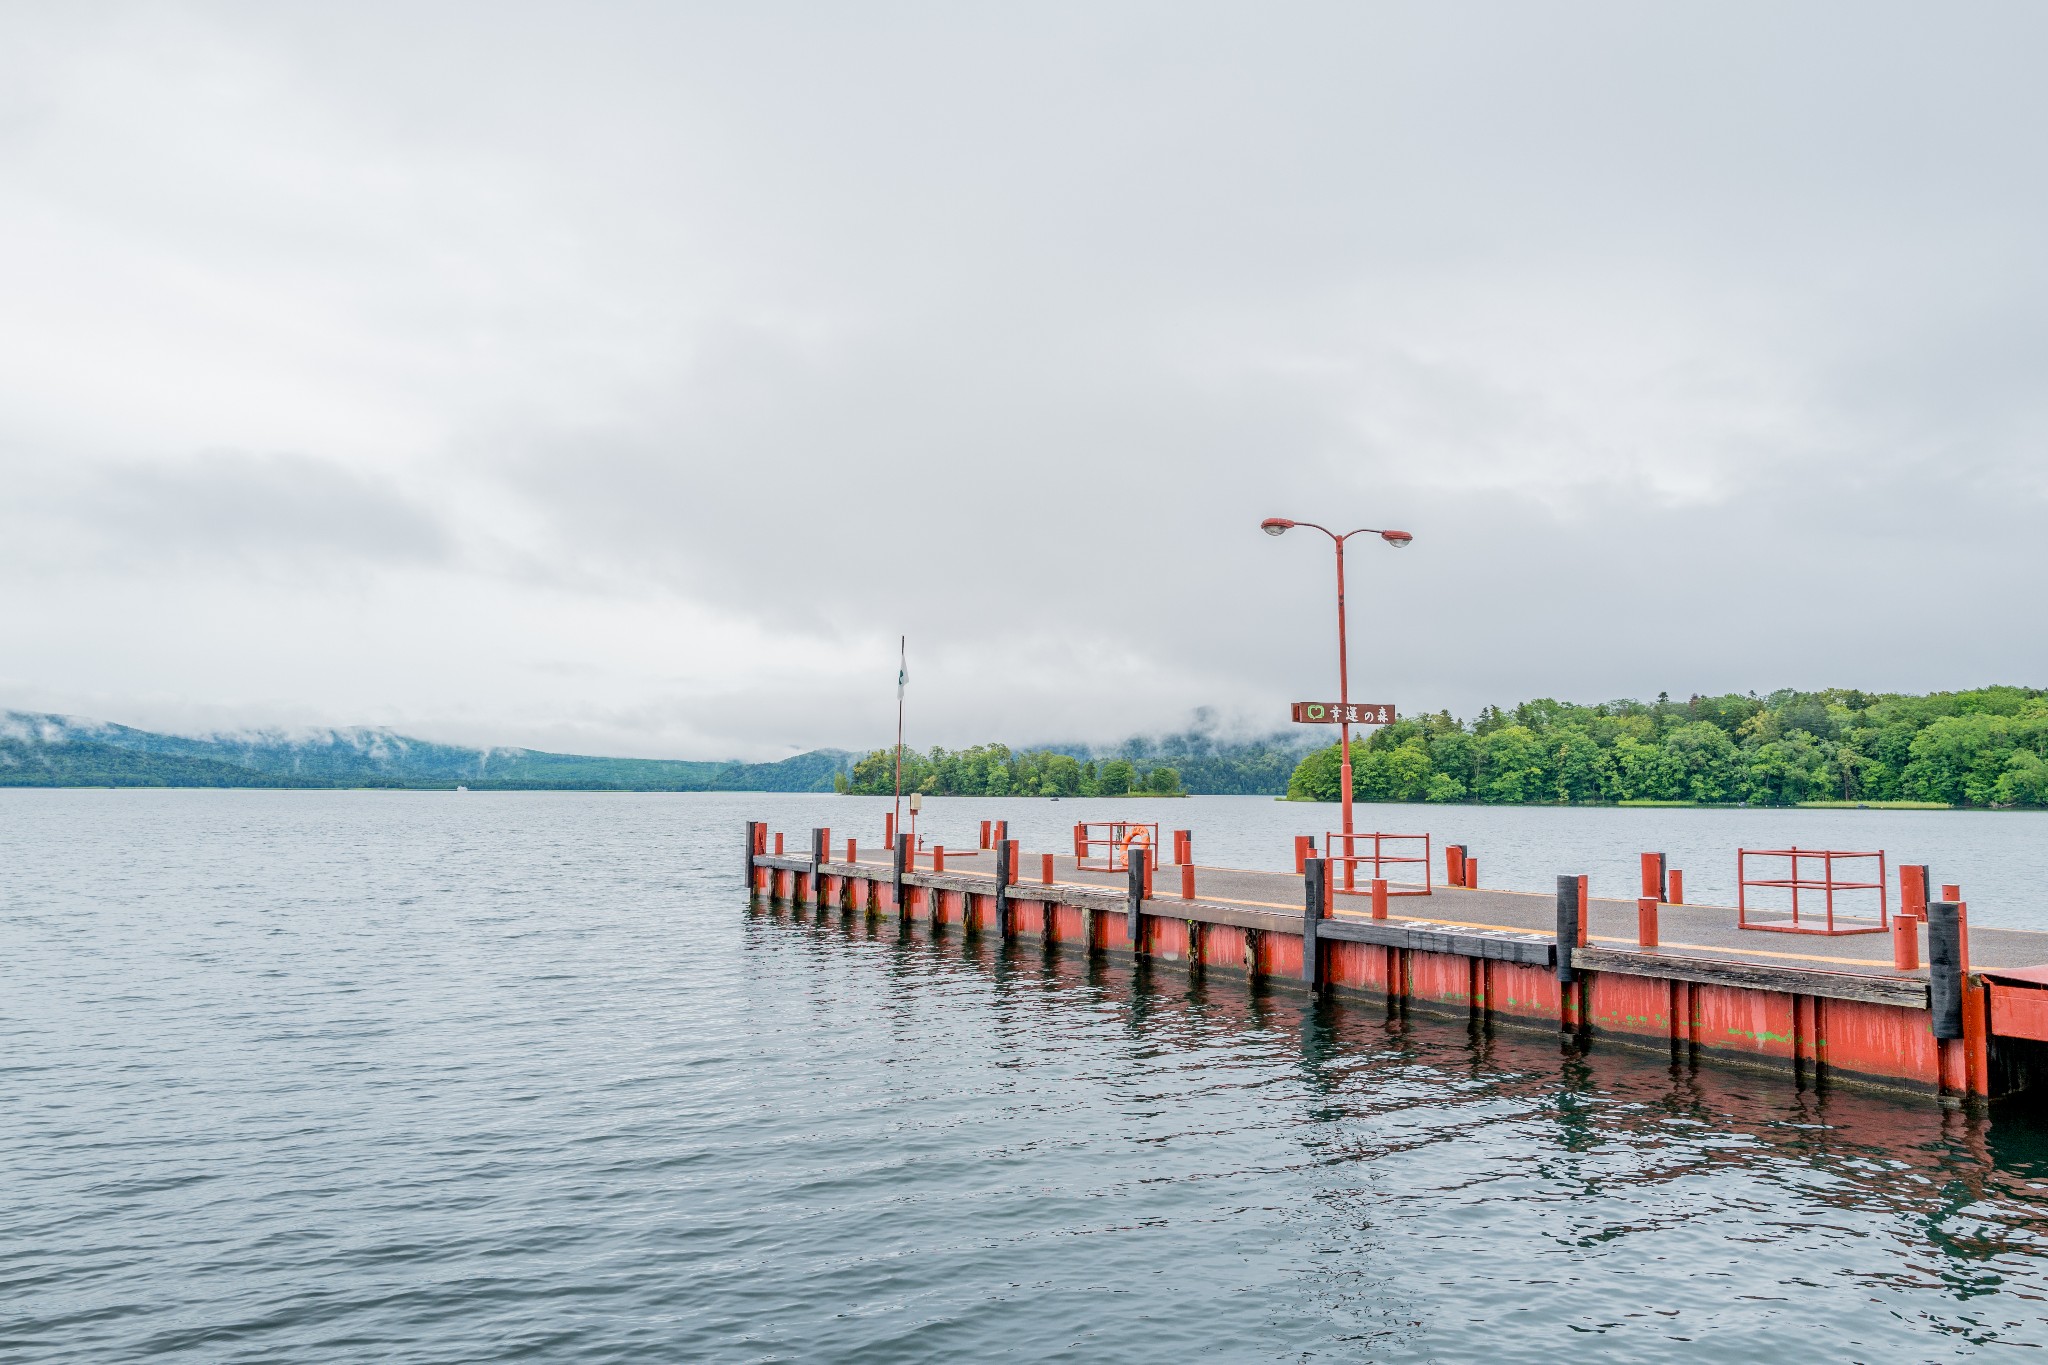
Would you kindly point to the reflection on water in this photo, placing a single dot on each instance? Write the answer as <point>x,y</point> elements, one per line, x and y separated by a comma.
<point>1457,1180</point>
<point>298,1076</point>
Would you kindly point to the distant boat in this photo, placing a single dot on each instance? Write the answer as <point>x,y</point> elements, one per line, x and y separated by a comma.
<point>462,789</point>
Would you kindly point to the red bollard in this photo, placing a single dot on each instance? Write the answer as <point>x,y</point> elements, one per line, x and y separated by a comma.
<point>1913,890</point>
<point>778,844</point>
<point>1187,881</point>
<point>1646,922</point>
<point>938,857</point>
<point>1454,864</point>
<point>1149,860</point>
<point>889,830</point>
<point>1948,893</point>
<point>1045,872</point>
<point>1471,873</point>
<point>1304,845</point>
<point>825,842</point>
<point>1653,876</point>
<point>1080,841</point>
<point>1585,914</point>
<point>1905,943</point>
<point>1379,897</point>
<point>1013,860</point>
<point>852,851</point>
<point>1677,887</point>
<point>984,834</point>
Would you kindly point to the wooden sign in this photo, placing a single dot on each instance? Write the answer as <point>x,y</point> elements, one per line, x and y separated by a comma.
<point>1334,713</point>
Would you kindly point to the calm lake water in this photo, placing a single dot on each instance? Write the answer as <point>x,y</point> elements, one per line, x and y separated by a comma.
<point>425,1077</point>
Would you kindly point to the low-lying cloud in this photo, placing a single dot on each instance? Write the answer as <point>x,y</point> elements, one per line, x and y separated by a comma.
<point>632,379</point>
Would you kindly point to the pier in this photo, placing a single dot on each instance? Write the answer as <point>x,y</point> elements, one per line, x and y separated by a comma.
<point>1967,1021</point>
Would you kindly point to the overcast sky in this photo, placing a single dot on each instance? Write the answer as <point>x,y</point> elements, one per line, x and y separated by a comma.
<point>625,379</point>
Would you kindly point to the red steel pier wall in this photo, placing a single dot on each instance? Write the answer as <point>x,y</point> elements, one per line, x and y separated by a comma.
<point>1815,1025</point>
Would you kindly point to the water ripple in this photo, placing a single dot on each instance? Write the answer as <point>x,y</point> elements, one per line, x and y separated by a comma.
<point>424,1077</point>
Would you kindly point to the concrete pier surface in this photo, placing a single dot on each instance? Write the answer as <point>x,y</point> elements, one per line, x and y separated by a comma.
<point>1967,1022</point>
<point>1687,930</point>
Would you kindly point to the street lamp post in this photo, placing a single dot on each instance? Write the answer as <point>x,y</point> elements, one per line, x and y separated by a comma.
<point>1280,526</point>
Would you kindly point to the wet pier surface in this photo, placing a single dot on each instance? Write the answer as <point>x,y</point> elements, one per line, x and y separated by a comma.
<point>1685,931</point>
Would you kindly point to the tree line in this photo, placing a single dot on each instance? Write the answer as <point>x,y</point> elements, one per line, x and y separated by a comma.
<point>998,770</point>
<point>1984,747</point>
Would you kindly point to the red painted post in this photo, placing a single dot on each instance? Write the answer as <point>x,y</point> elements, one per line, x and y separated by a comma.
<point>984,834</point>
<point>1149,860</point>
<point>1045,871</point>
<point>1913,890</point>
<point>1187,881</point>
<point>1379,897</point>
<point>1948,893</point>
<point>1977,1039</point>
<point>1471,873</point>
<point>1080,841</point>
<point>888,829</point>
<point>1905,943</point>
<point>1454,864</point>
<point>852,851</point>
<point>938,857</point>
<point>1646,922</point>
<point>825,841</point>
<point>1677,887</point>
<point>1013,860</point>
<point>1303,846</point>
<point>1653,876</point>
<point>778,843</point>
<point>1585,914</point>
<point>1976,1011</point>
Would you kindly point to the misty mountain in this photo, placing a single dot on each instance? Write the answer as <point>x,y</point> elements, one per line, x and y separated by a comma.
<point>67,751</point>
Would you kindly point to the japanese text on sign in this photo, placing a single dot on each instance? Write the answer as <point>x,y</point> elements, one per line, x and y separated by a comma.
<point>1336,713</point>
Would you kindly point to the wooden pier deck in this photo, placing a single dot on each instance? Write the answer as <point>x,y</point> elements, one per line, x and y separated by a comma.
<point>1973,1023</point>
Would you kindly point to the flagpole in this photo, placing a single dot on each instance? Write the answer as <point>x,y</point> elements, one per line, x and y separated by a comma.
<point>902,660</point>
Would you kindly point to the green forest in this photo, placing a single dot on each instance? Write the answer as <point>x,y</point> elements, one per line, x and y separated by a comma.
<point>997,770</point>
<point>1985,747</point>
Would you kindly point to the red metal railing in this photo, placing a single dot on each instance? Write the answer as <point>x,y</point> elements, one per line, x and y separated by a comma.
<point>1348,851</point>
<point>1116,840</point>
<point>1800,863</point>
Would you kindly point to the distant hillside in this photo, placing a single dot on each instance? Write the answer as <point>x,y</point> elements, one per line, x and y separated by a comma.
<point>65,751</point>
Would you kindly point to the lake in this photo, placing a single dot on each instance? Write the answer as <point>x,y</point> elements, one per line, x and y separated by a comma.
<point>434,1077</point>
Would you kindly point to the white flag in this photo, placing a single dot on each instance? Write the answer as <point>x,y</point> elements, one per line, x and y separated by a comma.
<point>902,669</point>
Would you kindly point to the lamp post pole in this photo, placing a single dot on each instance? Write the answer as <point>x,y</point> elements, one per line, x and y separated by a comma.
<point>1344,693</point>
<point>1280,526</point>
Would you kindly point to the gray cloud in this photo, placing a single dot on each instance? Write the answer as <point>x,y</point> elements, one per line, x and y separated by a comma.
<point>668,363</point>
<point>232,511</point>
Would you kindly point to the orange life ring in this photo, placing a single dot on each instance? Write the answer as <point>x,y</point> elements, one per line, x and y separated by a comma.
<point>1137,833</point>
